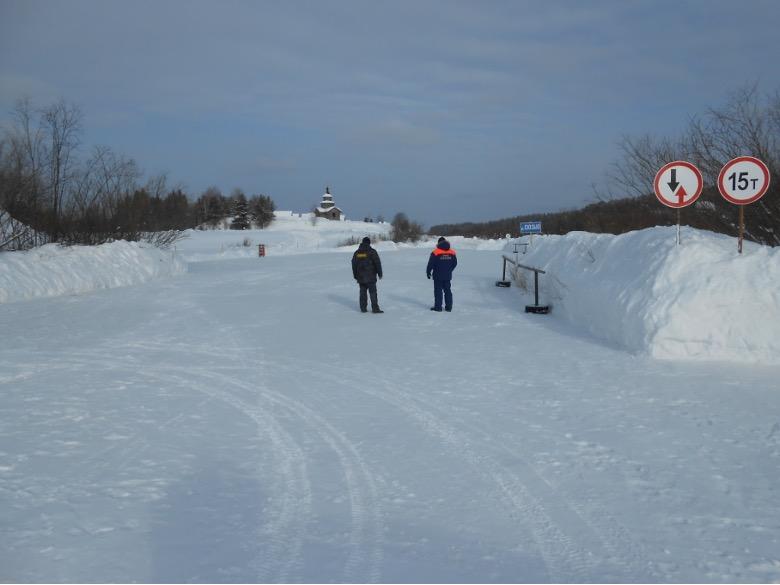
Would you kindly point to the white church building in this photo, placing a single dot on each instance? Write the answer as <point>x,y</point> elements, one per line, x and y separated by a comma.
<point>327,208</point>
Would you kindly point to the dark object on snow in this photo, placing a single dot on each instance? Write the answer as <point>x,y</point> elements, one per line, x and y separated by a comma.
<point>536,307</point>
<point>366,268</point>
<point>441,263</point>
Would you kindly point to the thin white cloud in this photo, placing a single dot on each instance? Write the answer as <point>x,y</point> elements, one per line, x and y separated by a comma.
<point>395,132</point>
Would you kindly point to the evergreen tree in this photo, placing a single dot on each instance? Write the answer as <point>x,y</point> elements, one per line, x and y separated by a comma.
<point>261,210</point>
<point>240,213</point>
<point>210,208</point>
<point>176,210</point>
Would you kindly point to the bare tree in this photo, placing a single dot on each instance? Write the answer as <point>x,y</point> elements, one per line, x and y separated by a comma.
<point>744,126</point>
<point>61,124</point>
<point>641,158</point>
<point>14,235</point>
<point>105,178</point>
<point>405,230</point>
<point>157,185</point>
<point>23,156</point>
<point>211,207</point>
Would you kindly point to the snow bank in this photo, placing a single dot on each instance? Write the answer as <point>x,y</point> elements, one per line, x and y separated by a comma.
<point>464,243</point>
<point>642,292</point>
<point>53,270</point>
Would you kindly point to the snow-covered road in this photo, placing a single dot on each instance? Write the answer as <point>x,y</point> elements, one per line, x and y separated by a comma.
<point>244,422</point>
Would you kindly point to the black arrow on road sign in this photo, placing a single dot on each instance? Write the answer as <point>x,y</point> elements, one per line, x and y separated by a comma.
<point>673,183</point>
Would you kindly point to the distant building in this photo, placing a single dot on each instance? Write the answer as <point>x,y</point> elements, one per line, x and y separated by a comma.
<point>327,207</point>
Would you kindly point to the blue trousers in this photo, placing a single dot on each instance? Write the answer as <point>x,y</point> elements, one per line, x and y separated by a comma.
<point>442,287</point>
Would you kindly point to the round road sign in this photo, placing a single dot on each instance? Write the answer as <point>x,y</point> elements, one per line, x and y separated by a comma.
<point>743,180</point>
<point>678,184</point>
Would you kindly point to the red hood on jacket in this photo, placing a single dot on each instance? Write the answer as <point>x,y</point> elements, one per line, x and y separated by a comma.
<point>439,251</point>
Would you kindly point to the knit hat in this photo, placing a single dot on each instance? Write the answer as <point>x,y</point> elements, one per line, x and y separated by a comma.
<point>441,239</point>
<point>366,240</point>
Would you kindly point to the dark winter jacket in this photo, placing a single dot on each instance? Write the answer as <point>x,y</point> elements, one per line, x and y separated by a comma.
<point>442,262</point>
<point>366,266</point>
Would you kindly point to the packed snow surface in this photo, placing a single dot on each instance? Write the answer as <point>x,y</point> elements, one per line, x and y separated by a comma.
<point>243,421</point>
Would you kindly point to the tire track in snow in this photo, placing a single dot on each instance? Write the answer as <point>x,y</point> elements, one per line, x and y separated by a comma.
<point>625,552</point>
<point>367,526</point>
<point>551,519</point>
<point>286,528</point>
<point>364,561</point>
<point>510,489</point>
<point>296,496</point>
<point>290,512</point>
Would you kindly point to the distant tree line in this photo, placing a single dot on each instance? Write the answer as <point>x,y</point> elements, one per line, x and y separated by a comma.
<point>405,230</point>
<point>613,217</point>
<point>748,124</point>
<point>63,197</point>
<point>214,210</point>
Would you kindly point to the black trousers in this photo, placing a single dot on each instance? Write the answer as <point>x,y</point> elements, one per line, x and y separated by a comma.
<point>365,289</point>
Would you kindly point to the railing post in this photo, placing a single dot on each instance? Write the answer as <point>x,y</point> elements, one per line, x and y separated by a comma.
<point>535,308</point>
<point>536,288</point>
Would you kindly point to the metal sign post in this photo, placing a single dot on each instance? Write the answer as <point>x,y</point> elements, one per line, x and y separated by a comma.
<point>741,229</point>
<point>743,181</point>
<point>677,185</point>
<point>678,227</point>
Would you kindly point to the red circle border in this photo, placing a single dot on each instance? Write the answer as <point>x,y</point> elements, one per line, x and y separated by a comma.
<point>678,163</point>
<point>764,169</point>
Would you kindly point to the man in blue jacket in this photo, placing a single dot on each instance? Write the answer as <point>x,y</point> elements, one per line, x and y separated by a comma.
<point>441,263</point>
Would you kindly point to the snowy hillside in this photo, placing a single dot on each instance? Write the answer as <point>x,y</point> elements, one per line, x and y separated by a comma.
<point>290,233</point>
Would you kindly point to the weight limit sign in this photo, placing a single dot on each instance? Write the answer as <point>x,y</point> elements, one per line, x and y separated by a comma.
<point>743,180</point>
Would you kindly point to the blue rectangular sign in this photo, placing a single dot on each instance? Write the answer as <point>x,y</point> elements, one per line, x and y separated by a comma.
<point>531,227</point>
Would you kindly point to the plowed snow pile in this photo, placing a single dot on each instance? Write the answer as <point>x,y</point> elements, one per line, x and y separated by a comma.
<point>54,270</point>
<point>643,292</point>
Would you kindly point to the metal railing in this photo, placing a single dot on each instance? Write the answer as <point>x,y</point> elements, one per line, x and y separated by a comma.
<point>536,307</point>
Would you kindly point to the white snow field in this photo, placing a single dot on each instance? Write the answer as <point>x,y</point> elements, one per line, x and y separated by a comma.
<point>243,422</point>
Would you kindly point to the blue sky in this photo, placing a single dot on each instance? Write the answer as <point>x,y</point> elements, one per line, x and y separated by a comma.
<point>447,110</point>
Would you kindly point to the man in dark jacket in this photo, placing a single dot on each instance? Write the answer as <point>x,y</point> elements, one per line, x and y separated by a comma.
<point>441,264</point>
<point>366,268</point>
